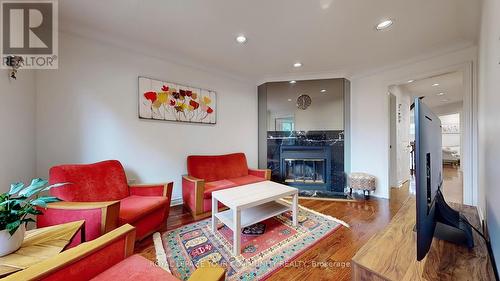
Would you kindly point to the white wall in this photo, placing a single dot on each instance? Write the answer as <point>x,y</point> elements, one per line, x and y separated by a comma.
<point>370,107</point>
<point>489,115</point>
<point>87,112</point>
<point>17,127</point>
<point>451,140</point>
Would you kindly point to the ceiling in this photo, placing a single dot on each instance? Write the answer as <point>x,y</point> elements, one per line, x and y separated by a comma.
<point>325,35</point>
<point>451,84</point>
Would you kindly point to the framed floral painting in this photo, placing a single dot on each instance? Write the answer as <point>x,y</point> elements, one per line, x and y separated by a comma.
<point>160,100</point>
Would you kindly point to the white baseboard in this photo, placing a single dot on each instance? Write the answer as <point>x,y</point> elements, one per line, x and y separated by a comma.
<point>176,201</point>
<point>480,213</point>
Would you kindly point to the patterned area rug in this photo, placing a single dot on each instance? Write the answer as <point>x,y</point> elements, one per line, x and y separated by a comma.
<point>266,246</point>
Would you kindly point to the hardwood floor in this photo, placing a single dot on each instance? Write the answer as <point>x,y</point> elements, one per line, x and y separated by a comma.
<point>330,258</point>
<point>452,184</point>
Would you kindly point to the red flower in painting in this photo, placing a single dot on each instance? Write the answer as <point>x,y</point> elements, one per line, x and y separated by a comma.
<point>172,102</point>
<point>189,93</point>
<point>194,104</point>
<point>182,92</point>
<point>210,110</point>
<point>164,88</point>
<point>175,95</point>
<point>150,96</point>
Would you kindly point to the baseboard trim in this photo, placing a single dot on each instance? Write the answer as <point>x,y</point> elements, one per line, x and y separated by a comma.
<point>176,202</point>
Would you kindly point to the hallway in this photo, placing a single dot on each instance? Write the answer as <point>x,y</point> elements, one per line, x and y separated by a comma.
<point>452,184</point>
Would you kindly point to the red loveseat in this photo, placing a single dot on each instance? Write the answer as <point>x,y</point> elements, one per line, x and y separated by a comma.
<point>210,173</point>
<point>99,194</point>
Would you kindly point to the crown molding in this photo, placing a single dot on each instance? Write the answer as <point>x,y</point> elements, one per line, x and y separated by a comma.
<point>78,30</point>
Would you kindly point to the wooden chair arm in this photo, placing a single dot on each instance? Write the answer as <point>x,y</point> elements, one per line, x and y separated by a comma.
<point>65,205</point>
<point>263,173</point>
<point>167,188</point>
<point>192,190</point>
<point>109,211</point>
<point>192,179</point>
<point>207,271</point>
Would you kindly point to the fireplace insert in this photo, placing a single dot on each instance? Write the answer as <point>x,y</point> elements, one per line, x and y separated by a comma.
<point>305,171</point>
<point>306,167</point>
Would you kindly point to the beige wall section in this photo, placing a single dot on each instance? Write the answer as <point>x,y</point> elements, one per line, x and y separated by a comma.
<point>17,127</point>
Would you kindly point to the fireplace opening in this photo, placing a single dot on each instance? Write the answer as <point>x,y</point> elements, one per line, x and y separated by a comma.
<point>310,171</point>
<point>306,167</point>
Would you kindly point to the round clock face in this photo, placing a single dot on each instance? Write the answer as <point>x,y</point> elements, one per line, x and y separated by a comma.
<point>303,102</point>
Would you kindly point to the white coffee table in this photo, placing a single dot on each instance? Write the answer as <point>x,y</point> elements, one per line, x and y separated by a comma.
<point>250,204</point>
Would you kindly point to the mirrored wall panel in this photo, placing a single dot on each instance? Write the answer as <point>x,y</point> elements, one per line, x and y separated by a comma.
<point>302,128</point>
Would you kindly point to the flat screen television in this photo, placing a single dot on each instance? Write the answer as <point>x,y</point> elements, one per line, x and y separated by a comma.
<point>435,218</point>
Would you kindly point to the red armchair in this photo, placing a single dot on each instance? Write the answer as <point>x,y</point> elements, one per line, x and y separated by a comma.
<point>99,194</point>
<point>210,173</point>
<point>108,257</point>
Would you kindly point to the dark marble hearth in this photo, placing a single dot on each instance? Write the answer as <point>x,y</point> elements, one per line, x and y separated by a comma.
<point>324,194</point>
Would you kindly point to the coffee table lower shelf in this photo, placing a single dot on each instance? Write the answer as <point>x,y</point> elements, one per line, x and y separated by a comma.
<point>253,215</point>
<point>251,203</point>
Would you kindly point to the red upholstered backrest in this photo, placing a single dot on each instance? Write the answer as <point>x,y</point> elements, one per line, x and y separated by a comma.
<point>217,167</point>
<point>103,181</point>
<point>91,265</point>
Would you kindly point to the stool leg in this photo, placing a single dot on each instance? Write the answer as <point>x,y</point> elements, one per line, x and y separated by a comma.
<point>350,192</point>
<point>367,194</point>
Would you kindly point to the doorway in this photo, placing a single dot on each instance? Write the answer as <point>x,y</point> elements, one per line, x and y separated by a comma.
<point>444,94</point>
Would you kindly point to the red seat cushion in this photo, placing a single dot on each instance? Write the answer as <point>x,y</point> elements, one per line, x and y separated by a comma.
<point>216,185</point>
<point>246,180</point>
<point>135,207</point>
<point>135,268</point>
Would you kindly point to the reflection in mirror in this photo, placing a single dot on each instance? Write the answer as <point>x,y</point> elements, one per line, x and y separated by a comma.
<point>286,124</point>
<point>311,105</point>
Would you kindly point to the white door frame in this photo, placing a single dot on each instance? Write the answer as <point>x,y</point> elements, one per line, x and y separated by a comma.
<point>393,141</point>
<point>469,146</point>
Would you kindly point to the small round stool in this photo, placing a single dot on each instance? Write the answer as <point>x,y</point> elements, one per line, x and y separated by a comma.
<point>361,181</point>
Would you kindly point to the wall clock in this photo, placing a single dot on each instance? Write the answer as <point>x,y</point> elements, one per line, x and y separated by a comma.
<point>303,102</point>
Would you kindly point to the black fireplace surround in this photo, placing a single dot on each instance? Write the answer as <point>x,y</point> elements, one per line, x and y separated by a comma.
<point>311,161</point>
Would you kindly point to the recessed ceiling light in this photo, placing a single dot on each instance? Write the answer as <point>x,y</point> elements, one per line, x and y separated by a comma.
<point>323,91</point>
<point>441,94</point>
<point>411,81</point>
<point>435,85</point>
<point>297,64</point>
<point>241,39</point>
<point>293,82</point>
<point>289,99</point>
<point>384,24</point>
